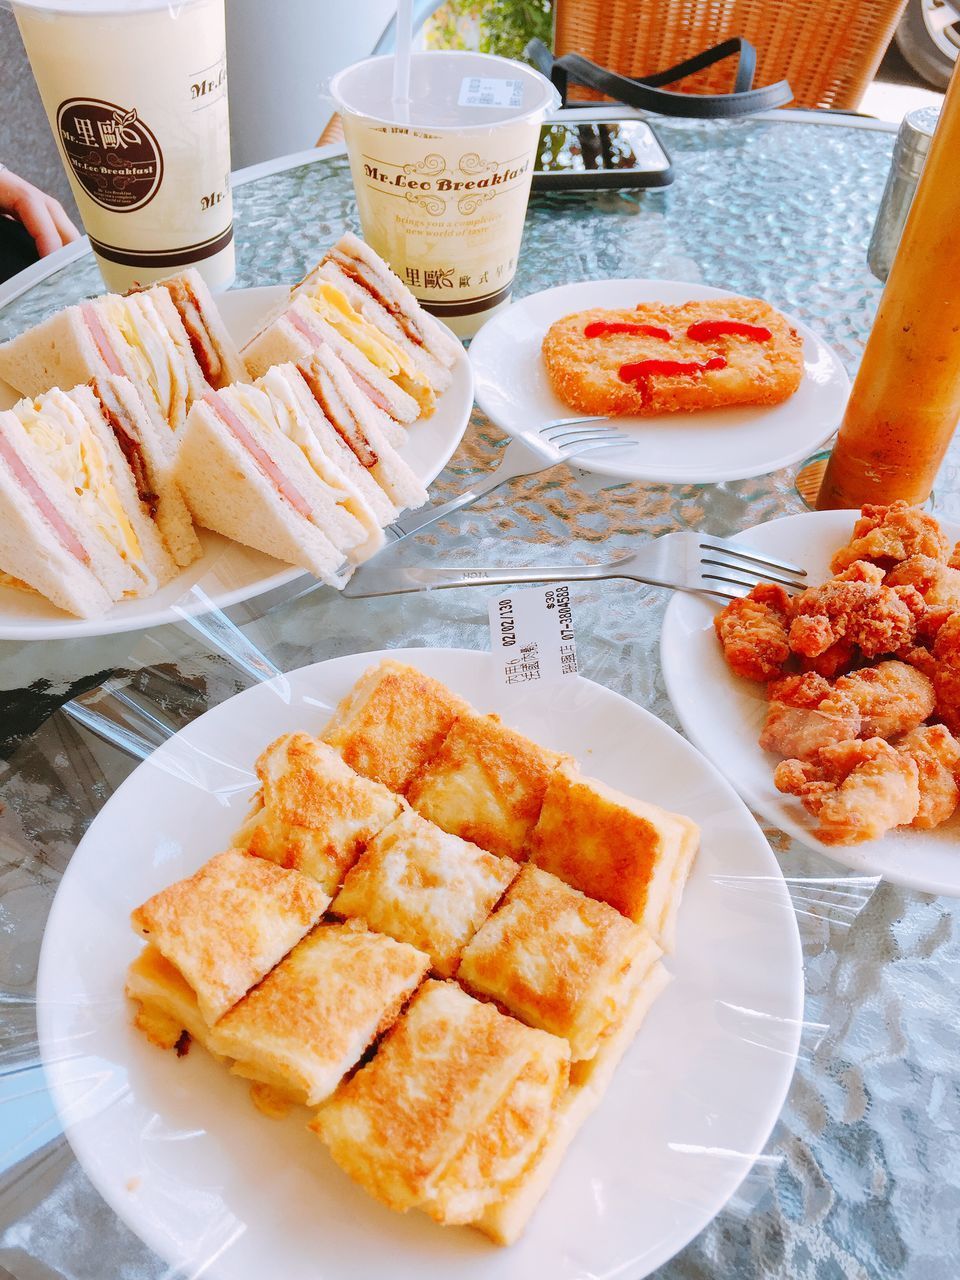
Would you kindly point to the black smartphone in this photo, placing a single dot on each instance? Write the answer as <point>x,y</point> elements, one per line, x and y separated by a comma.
<point>600,153</point>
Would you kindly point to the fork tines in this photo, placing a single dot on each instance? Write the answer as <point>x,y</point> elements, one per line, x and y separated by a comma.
<point>740,569</point>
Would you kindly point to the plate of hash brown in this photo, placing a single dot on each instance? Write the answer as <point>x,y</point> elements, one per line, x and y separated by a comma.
<point>836,712</point>
<point>711,385</point>
<point>354,977</point>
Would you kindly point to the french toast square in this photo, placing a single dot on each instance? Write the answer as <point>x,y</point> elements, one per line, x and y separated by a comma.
<point>313,1017</point>
<point>451,1111</point>
<point>558,960</point>
<point>485,784</point>
<point>392,723</point>
<point>313,811</point>
<point>625,852</point>
<point>424,886</point>
<point>226,926</point>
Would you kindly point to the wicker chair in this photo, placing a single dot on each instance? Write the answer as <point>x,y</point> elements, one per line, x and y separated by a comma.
<point>827,49</point>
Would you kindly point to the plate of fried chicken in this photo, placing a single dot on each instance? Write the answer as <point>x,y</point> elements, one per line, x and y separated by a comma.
<point>835,712</point>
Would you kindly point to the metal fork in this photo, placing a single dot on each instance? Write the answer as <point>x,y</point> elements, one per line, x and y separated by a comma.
<point>560,441</point>
<point>685,561</point>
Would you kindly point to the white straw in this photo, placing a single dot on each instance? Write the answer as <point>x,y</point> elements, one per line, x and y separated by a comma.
<point>401,60</point>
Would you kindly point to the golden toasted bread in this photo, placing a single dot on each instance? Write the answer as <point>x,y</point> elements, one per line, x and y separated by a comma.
<point>313,812</point>
<point>632,855</point>
<point>486,784</point>
<point>312,1018</point>
<point>452,1110</point>
<point>602,361</point>
<point>166,1004</point>
<point>225,927</point>
<point>559,960</point>
<point>423,886</point>
<point>392,722</point>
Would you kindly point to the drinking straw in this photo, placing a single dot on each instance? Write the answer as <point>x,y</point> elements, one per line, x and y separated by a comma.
<point>401,60</point>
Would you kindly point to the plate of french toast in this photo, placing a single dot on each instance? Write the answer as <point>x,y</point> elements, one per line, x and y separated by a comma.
<point>169,451</point>
<point>708,385</point>
<point>397,969</point>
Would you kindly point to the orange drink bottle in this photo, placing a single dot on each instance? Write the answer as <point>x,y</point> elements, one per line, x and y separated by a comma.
<point>905,402</point>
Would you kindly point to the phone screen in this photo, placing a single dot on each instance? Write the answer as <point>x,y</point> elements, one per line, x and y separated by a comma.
<point>600,147</point>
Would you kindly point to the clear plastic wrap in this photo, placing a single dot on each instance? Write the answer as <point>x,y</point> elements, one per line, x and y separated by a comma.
<point>53,1219</point>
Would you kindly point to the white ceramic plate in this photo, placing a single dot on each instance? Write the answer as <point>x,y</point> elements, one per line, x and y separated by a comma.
<point>175,1146</point>
<point>695,448</point>
<point>723,714</point>
<point>228,572</point>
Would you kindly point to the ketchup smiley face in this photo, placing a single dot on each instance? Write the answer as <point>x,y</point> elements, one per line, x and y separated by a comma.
<point>709,330</point>
<point>599,329</point>
<point>643,369</point>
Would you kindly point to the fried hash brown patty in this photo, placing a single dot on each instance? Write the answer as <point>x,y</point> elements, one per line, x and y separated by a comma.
<point>585,372</point>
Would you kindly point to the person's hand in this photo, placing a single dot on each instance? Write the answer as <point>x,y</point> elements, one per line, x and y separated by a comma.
<point>43,217</point>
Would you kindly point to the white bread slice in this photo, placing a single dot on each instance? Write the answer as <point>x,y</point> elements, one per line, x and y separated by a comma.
<point>301,420</point>
<point>156,555</point>
<point>58,352</point>
<point>171,515</point>
<point>357,422</point>
<point>335,447</point>
<point>228,490</point>
<point>300,332</point>
<point>140,334</point>
<point>34,504</point>
<point>86,466</point>
<point>195,305</point>
<point>390,299</point>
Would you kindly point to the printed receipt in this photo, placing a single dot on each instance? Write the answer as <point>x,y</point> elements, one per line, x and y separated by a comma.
<point>532,635</point>
<point>481,91</point>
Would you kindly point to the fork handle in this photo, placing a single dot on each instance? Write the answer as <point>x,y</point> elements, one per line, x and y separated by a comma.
<point>426,515</point>
<point>438,578</point>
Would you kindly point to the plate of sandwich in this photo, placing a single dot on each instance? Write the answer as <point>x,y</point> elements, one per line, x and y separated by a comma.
<point>409,991</point>
<point>167,452</point>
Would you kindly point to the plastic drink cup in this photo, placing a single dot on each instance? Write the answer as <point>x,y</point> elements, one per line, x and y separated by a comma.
<point>136,95</point>
<point>905,402</point>
<point>442,181</point>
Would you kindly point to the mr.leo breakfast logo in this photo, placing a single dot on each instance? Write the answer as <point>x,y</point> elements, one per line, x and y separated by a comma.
<point>115,157</point>
<point>430,184</point>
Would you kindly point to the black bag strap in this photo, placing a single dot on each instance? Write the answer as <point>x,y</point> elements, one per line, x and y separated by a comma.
<point>646,94</point>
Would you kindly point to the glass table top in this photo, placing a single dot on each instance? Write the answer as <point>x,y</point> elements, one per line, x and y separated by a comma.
<point>861,1177</point>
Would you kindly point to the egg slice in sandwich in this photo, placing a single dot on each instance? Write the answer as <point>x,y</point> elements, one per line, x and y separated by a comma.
<point>309,325</point>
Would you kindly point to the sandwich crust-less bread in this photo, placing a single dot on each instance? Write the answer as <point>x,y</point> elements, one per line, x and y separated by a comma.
<point>620,850</point>
<point>42,535</point>
<point>486,784</point>
<point>559,960</point>
<point>392,722</point>
<point>609,372</point>
<point>300,419</point>
<point>452,1110</point>
<point>125,414</point>
<point>424,886</point>
<point>311,1019</point>
<point>47,480</point>
<point>225,927</point>
<point>304,330</point>
<point>314,812</point>
<point>247,481</point>
<point>212,347</point>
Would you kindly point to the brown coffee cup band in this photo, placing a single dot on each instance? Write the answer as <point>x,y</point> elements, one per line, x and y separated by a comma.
<point>466,306</point>
<point>172,258</point>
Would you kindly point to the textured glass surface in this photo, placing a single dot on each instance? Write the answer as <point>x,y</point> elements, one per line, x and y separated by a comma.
<point>862,1176</point>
